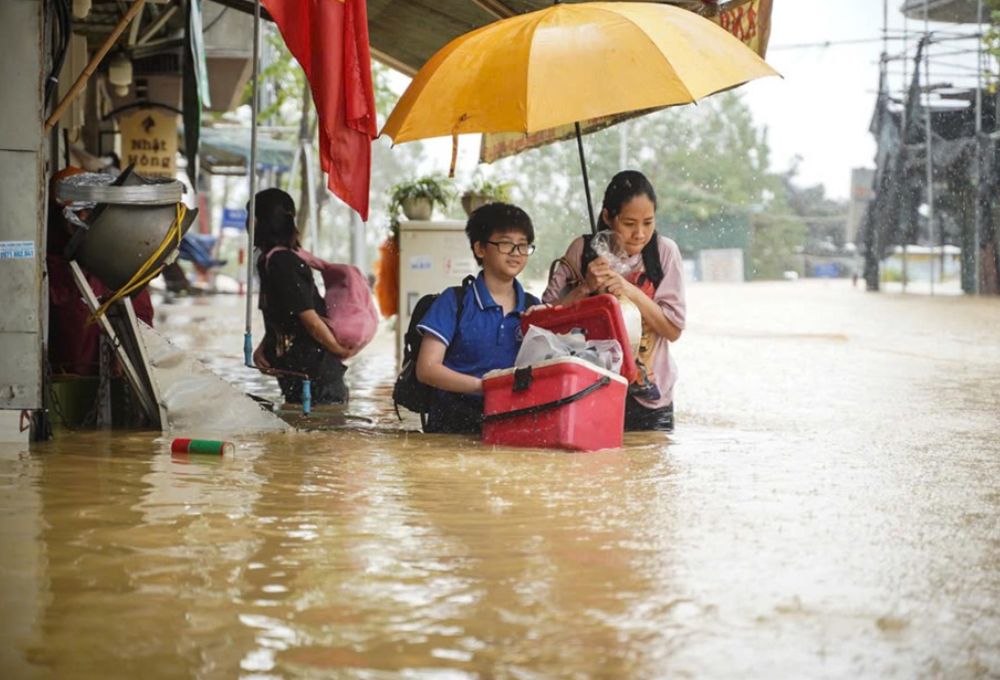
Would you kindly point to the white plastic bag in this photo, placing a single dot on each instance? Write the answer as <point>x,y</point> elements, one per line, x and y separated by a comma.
<point>540,345</point>
<point>608,244</point>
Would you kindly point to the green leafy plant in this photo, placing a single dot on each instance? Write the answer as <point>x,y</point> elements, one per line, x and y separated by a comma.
<point>496,191</point>
<point>991,41</point>
<point>435,188</point>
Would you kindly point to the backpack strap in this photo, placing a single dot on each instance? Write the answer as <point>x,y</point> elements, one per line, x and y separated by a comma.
<point>272,251</point>
<point>574,279</point>
<point>312,261</point>
<point>460,296</point>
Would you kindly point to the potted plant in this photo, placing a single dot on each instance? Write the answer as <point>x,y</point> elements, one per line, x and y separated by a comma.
<point>418,197</point>
<point>483,191</point>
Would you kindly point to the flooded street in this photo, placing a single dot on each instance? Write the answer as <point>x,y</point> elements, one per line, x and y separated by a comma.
<point>829,506</point>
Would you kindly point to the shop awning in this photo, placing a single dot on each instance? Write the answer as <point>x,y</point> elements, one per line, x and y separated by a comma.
<point>406,33</point>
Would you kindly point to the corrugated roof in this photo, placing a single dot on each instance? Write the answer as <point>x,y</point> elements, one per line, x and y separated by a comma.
<point>405,33</point>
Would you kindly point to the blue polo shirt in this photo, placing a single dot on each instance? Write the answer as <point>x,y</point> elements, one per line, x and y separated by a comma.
<point>487,338</point>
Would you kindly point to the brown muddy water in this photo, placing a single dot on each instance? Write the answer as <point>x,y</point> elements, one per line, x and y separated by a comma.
<point>828,507</point>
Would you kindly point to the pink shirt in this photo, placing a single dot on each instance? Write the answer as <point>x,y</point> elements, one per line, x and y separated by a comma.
<point>669,296</point>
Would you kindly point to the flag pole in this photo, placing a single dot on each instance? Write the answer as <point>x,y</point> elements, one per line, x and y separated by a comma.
<point>251,210</point>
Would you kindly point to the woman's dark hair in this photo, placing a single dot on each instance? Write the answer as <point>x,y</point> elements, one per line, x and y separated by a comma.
<point>275,217</point>
<point>623,187</point>
<point>492,218</point>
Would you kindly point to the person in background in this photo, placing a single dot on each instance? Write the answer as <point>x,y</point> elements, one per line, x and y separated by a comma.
<point>655,285</point>
<point>296,339</point>
<point>455,353</point>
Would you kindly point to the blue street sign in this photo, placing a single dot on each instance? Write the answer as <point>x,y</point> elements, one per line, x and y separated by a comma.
<point>234,218</point>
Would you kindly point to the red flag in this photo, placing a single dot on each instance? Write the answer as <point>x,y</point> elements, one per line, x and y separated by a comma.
<point>329,38</point>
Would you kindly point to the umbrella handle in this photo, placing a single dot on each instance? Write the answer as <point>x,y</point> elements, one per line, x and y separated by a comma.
<point>586,181</point>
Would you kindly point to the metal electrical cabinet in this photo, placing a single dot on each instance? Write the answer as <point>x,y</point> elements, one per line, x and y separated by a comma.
<point>432,256</point>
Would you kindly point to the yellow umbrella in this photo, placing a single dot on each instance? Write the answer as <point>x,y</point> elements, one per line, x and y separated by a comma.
<point>567,63</point>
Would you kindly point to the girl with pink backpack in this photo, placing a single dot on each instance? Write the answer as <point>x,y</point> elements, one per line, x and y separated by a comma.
<point>306,334</point>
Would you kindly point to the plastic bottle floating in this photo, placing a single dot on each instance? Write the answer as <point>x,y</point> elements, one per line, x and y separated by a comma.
<point>209,447</point>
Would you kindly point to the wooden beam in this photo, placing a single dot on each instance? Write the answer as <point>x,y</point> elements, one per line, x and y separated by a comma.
<point>245,6</point>
<point>392,63</point>
<point>91,66</point>
<point>158,24</point>
<point>133,32</point>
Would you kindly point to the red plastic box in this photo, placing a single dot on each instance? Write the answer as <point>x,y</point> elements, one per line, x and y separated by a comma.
<point>564,403</point>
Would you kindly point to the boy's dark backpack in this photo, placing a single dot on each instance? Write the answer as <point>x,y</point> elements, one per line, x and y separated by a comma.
<point>409,392</point>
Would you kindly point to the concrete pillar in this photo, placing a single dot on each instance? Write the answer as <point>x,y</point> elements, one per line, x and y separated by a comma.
<point>23,148</point>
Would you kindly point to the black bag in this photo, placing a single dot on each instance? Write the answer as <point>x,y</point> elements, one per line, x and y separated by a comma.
<point>409,392</point>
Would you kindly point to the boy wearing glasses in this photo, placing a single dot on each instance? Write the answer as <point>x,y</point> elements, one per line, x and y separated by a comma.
<point>456,352</point>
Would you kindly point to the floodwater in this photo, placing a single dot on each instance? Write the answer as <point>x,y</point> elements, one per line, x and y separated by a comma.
<point>828,507</point>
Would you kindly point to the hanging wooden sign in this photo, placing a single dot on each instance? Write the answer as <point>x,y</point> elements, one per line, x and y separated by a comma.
<point>149,142</point>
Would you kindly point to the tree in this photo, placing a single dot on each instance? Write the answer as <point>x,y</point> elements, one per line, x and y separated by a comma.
<point>992,36</point>
<point>709,165</point>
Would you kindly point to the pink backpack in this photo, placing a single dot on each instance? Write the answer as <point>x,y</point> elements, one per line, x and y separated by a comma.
<point>350,308</point>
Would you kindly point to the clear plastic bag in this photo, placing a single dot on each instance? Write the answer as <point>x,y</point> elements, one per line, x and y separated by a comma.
<point>540,345</point>
<point>608,245</point>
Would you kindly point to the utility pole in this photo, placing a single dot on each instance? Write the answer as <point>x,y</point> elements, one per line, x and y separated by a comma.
<point>358,249</point>
<point>906,116</point>
<point>978,225</point>
<point>929,133</point>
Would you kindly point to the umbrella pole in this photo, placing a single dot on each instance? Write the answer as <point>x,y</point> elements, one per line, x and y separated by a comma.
<point>251,212</point>
<point>586,182</point>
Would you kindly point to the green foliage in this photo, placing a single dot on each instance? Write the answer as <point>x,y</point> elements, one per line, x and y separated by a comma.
<point>991,38</point>
<point>435,188</point>
<point>710,166</point>
<point>894,276</point>
<point>498,191</point>
<point>775,242</point>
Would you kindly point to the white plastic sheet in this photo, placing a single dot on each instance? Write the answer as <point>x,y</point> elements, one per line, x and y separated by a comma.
<point>540,345</point>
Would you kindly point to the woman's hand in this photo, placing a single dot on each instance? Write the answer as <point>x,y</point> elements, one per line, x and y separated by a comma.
<point>598,272</point>
<point>616,284</point>
<point>321,333</point>
<point>345,352</point>
<point>258,357</point>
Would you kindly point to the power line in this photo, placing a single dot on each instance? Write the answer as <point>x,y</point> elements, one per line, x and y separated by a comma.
<point>829,43</point>
<point>939,37</point>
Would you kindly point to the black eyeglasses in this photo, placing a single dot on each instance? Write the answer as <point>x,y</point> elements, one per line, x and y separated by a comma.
<point>508,247</point>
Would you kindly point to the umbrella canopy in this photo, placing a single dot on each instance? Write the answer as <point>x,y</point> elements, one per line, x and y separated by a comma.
<point>567,63</point>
